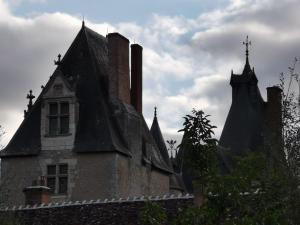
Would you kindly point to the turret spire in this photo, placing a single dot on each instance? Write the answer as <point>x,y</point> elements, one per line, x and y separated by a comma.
<point>247,43</point>
<point>83,23</point>
<point>155,111</point>
<point>247,65</point>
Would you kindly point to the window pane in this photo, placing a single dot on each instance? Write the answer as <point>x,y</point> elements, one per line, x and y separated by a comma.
<point>64,108</point>
<point>51,170</point>
<point>64,125</point>
<point>53,109</point>
<point>51,183</point>
<point>63,169</point>
<point>53,125</point>
<point>63,185</point>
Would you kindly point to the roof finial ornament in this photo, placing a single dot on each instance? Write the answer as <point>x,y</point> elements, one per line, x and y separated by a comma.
<point>83,23</point>
<point>247,43</point>
<point>58,60</point>
<point>155,111</point>
<point>30,96</point>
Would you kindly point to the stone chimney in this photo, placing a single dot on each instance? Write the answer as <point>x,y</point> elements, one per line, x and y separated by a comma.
<point>38,193</point>
<point>118,53</point>
<point>137,77</point>
<point>274,119</point>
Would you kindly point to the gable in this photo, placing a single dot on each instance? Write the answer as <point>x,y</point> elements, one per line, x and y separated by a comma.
<point>58,87</point>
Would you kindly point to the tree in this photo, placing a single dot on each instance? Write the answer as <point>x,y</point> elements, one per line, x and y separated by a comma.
<point>199,147</point>
<point>289,83</point>
<point>252,194</point>
<point>152,214</point>
<point>255,192</point>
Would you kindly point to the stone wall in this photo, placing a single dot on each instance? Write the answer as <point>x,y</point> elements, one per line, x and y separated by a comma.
<point>117,212</point>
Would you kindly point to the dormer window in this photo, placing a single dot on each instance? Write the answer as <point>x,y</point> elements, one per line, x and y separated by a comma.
<point>59,117</point>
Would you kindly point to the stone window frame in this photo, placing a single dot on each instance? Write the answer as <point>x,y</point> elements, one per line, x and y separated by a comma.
<point>58,116</point>
<point>58,101</point>
<point>57,176</point>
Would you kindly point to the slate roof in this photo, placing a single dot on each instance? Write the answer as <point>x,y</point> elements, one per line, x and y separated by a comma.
<point>85,67</point>
<point>243,129</point>
<point>160,142</point>
<point>175,179</point>
<point>183,169</point>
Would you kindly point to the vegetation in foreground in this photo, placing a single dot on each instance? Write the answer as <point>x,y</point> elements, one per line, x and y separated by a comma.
<point>255,192</point>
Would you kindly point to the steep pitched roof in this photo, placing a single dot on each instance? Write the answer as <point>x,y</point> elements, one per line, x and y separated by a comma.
<point>85,67</point>
<point>243,129</point>
<point>175,179</point>
<point>160,142</point>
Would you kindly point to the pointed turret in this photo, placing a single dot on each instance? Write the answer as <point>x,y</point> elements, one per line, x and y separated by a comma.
<point>244,124</point>
<point>176,183</point>
<point>160,142</point>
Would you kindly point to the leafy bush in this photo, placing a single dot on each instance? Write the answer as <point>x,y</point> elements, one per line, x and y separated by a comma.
<point>152,214</point>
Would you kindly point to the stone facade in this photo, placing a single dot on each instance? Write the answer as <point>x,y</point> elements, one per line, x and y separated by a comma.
<point>107,175</point>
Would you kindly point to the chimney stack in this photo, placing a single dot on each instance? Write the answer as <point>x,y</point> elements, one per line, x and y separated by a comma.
<point>38,193</point>
<point>137,77</point>
<point>118,54</point>
<point>274,118</point>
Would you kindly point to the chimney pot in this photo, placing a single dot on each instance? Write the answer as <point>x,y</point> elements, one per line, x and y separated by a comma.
<point>36,195</point>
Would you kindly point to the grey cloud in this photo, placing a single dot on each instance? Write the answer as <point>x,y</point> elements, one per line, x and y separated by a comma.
<point>199,52</point>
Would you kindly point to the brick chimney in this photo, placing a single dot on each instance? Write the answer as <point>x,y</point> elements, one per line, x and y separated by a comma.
<point>118,53</point>
<point>38,193</point>
<point>137,77</point>
<point>274,119</point>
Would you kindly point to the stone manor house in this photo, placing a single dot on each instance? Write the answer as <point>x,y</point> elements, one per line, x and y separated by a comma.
<point>85,136</point>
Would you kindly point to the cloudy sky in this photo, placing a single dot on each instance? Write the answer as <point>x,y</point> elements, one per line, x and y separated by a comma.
<point>190,48</point>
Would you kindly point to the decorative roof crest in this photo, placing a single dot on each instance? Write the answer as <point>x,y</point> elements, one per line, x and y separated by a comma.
<point>247,43</point>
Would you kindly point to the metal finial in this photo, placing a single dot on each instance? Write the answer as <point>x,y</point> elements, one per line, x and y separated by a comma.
<point>83,23</point>
<point>30,96</point>
<point>155,111</point>
<point>58,60</point>
<point>247,43</point>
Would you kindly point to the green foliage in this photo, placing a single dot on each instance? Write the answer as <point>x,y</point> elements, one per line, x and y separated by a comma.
<point>291,116</point>
<point>199,146</point>
<point>195,215</point>
<point>254,193</point>
<point>152,214</point>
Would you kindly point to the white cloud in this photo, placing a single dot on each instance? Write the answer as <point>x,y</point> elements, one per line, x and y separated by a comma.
<point>187,61</point>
